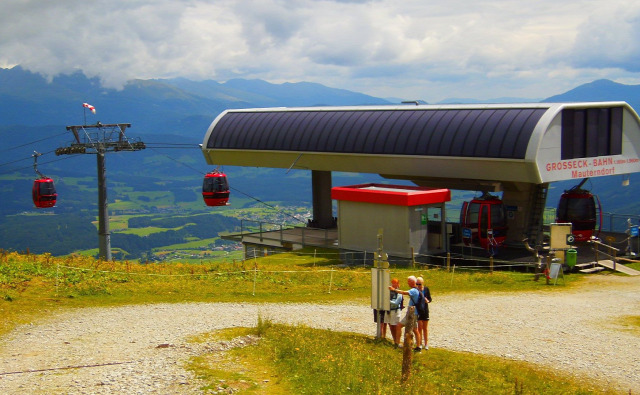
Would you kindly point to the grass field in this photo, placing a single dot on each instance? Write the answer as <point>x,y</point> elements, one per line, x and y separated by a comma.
<point>298,359</point>
<point>34,286</point>
<point>31,284</point>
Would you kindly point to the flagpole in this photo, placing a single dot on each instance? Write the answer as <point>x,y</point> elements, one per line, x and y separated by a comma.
<point>84,108</point>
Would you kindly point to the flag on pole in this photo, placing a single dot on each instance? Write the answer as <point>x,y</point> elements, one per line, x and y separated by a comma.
<point>90,107</point>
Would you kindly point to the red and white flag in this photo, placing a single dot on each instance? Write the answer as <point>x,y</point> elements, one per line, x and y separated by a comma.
<point>90,107</point>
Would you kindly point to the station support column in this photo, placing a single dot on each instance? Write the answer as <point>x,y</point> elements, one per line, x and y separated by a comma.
<point>322,204</point>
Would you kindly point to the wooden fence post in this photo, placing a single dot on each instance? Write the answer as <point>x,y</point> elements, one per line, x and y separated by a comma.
<point>57,277</point>
<point>413,258</point>
<point>255,277</point>
<point>548,269</point>
<point>331,279</point>
<point>407,348</point>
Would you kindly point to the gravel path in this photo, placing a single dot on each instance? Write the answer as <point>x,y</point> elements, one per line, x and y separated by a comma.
<point>141,349</point>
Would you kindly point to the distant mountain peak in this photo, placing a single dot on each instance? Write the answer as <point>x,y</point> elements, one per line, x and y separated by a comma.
<point>28,98</point>
<point>600,90</point>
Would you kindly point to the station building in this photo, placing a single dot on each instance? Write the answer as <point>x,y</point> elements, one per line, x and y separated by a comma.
<point>516,150</point>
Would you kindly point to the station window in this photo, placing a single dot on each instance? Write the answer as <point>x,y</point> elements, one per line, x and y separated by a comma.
<point>591,132</point>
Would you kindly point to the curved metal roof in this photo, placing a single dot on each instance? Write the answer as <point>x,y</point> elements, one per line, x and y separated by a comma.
<point>473,132</point>
<point>530,143</point>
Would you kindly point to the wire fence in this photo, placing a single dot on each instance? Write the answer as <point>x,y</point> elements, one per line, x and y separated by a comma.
<point>366,259</point>
<point>324,272</point>
<point>326,265</point>
<point>351,260</point>
<point>255,272</point>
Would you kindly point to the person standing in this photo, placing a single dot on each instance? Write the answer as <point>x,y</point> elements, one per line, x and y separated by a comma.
<point>392,317</point>
<point>414,300</point>
<point>423,317</point>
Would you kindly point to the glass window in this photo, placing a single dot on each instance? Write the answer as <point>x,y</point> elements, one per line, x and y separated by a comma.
<point>498,217</point>
<point>47,188</point>
<point>591,132</point>
<point>472,214</point>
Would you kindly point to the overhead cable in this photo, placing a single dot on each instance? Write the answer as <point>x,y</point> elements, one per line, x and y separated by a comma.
<point>235,189</point>
<point>32,142</point>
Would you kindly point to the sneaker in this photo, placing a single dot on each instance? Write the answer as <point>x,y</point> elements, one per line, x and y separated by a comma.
<point>426,346</point>
<point>398,345</point>
<point>417,349</point>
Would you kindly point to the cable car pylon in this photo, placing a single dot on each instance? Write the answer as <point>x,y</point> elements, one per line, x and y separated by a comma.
<point>99,139</point>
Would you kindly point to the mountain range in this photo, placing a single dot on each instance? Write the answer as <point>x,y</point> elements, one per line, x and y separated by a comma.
<point>180,110</point>
<point>171,112</point>
<point>177,106</point>
<point>181,106</point>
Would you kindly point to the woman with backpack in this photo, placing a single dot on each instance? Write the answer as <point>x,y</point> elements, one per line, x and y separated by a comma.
<point>423,319</point>
<point>416,298</point>
<point>392,317</point>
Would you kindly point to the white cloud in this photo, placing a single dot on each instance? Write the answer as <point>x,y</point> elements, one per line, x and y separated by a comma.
<point>610,37</point>
<point>415,49</point>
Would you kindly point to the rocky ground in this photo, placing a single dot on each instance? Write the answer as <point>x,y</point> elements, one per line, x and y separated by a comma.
<point>143,348</point>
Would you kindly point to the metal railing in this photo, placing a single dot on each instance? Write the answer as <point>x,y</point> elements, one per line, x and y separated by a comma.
<point>611,222</point>
<point>612,251</point>
<point>285,233</point>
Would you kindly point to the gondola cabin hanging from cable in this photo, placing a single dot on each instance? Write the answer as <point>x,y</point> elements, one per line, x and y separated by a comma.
<point>484,222</point>
<point>43,190</point>
<point>44,193</point>
<point>583,210</point>
<point>215,189</point>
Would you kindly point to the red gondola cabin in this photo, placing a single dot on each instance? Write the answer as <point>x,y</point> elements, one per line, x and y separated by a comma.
<point>215,189</point>
<point>578,206</point>
<point>485,222</point>
<point>44,193</point>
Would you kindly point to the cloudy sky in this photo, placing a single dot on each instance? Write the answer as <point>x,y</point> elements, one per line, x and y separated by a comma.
<point>411,49</point>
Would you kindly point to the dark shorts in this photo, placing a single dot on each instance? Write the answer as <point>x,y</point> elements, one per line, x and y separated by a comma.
<point>375,315</point>
<point>423,317</point>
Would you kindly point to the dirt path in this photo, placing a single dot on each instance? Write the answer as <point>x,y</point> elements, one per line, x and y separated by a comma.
<point>141,349</point>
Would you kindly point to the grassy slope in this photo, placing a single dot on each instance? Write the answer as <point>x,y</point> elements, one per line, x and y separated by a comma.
<point>297,359</point>
<point>33,286</point>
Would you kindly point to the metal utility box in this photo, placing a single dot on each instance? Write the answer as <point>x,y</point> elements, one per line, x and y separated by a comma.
<point>413,218</point>
<point>561,238</point>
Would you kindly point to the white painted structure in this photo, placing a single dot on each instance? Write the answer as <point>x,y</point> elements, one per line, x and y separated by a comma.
<point>516,149</point>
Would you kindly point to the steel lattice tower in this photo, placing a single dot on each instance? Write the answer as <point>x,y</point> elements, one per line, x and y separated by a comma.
<point>99,139</point>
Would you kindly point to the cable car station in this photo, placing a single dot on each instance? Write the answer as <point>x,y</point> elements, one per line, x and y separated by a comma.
<point>508,153</point>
